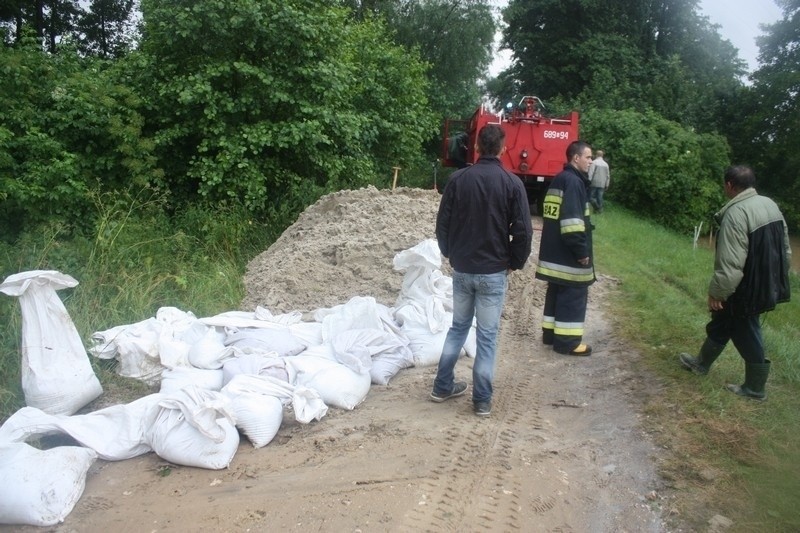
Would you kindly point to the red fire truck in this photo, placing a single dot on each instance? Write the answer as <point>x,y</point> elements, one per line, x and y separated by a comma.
<point>536,144</point>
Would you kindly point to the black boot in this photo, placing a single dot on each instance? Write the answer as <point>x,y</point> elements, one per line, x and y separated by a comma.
<point>755,378</point>
<point>708,354</point>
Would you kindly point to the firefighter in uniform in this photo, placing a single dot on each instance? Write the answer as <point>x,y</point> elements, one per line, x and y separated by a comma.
<point>565,254</point>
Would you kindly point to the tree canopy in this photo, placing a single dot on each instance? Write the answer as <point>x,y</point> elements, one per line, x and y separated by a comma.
<point>766,126</point>
<point>266,102</point>
<point>640,54</point>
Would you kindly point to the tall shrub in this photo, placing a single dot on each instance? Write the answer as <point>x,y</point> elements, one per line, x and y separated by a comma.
<point>67,129</point>
<point>271,103</point>
<point>660,169</point>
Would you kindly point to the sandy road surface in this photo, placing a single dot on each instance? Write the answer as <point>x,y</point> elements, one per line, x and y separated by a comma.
<point>562,451</point>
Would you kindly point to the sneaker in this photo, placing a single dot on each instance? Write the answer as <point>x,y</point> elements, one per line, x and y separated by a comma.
<point>483,408</point>
<point>459,388</point>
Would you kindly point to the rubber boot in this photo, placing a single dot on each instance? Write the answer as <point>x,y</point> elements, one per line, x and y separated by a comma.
<point>708,354</point>
<point>755,378</point>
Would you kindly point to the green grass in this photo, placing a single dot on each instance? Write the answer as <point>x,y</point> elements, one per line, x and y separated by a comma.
<point>137,261</point>
<point>730,456</point>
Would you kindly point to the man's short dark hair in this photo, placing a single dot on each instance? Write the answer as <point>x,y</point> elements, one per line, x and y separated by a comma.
<point>491,139</point>
<point>576,148</point>
<point>741,177</point>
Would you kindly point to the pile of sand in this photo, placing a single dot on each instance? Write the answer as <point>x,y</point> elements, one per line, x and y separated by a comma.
<point>341,247</point>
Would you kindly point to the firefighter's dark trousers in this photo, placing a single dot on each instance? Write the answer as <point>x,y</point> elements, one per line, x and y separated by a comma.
<point>564,314</point>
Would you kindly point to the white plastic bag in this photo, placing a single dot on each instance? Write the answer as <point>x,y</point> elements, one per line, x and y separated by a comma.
<point>174,379</point>
<point>56,374</point>
<point>40,487</point>
<point>307,403</point>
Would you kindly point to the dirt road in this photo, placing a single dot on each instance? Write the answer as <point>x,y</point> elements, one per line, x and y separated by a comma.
<point>562,451</point>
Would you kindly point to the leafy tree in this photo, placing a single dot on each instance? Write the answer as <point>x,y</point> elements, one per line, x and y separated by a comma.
<point>101,27</point>
<point>765,128</point>
<point>50,19</point>
<point>640,54</point>
<point>67,130</point>
<point>662,170</point>
<point>271,103</point>
<point>455,38</point>
<point>106,28</point>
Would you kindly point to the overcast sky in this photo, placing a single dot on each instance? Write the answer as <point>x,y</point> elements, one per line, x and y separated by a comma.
<point>738,19</point>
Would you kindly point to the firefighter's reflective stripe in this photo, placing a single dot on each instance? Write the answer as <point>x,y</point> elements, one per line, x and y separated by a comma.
<point>552,204</point>
<point>569,328</point>
<point>566,273</point>
<point>572,225</point>
<point>548,322</point>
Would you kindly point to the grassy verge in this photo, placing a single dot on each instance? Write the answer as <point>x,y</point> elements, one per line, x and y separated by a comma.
<point>137,261</point>
<point>729,456</point>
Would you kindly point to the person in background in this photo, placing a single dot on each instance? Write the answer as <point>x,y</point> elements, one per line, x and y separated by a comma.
<point>565,254</point>
<point>484,228</point>
<point>599,180</point>
<point>751,276</point>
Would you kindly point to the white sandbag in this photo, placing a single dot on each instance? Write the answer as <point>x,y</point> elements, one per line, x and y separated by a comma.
<point>242,320</point>
<point>309,333</point>
<point>386,365</point>
<point>264,340</point>
<point>286,319</point>
<point>195,427</point>
<point>362,349</point>
<point>307,403</point>
<point>210,351</point>
<point>426,337</point>
<point>127,424</point>
<point>360,312</point>
<point>41,487</point>
<point>145,348</point>
<point>57,376</point>
<point>422,279</point>
<point>426,254</point>
<point>135,347</point>
<point>259,417</point>
<point>183,325</point>
<point>175,379</point>
<point>324,351</point>
<point>255,364</point>
<point>337,385</point>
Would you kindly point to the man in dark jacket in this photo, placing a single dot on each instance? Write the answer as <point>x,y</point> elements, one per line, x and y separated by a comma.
<point>565,254</point>
<point>751,276</point>
<point>484,228</point>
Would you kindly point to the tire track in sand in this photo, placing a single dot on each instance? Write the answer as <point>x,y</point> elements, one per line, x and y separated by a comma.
<point>475,483</point>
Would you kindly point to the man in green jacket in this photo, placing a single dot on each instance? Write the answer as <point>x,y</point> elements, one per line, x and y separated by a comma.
<point>751,276</point>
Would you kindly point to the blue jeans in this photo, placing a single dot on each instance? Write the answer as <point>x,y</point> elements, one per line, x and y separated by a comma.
<point>481,296</point>
<point>596,197</point>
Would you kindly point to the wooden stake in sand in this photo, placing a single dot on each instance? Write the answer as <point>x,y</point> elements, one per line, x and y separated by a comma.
<point>394,180</point>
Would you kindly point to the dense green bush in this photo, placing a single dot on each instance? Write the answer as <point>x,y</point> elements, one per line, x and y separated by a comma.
<point>67,130</point>
<point>660,169</point>
<point>272,104</point>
